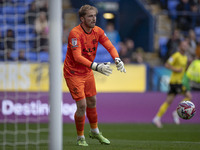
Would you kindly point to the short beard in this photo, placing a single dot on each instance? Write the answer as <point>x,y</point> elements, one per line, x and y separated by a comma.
<point>89,26</point>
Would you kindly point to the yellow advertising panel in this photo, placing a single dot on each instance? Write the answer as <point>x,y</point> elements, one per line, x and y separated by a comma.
<point>24,77</point>
<point>134,80</point>
<point>35,77</point>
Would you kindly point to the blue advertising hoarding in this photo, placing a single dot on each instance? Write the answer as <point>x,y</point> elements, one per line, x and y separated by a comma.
<point>160,79</point>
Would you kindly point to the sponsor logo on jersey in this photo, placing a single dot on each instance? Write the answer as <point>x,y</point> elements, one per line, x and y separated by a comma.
<point>89,50</point>
<point>94,41</point>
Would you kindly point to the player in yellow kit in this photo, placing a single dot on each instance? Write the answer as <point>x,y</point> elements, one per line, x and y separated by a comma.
<point>78,71</point>
<point>178,64</point>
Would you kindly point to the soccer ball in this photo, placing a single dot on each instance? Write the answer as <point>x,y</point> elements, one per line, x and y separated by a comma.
<point>186,110</point>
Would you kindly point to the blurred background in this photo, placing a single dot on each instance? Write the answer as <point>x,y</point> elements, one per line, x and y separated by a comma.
<point>144,32</point>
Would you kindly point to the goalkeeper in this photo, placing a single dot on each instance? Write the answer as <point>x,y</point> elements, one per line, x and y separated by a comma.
<point>78,65</point>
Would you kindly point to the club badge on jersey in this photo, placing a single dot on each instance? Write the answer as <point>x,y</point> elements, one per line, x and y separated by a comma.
<point>74,42</point>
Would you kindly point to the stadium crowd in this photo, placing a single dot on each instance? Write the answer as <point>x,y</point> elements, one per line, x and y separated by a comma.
<point>24,30</point>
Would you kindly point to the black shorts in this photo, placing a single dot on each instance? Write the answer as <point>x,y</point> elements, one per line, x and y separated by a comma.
<point>177,89</point>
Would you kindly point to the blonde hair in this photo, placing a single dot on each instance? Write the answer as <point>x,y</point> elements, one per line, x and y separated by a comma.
<point>85,8</point>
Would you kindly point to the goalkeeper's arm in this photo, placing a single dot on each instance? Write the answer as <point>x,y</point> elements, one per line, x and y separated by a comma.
<point>114,54</point>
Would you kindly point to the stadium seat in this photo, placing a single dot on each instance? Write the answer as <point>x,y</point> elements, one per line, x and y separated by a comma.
<point>22,45</point>
<point>14,54</point>
<point>163,46</point>
<point>23,1</point>
<point>32,43</point>
<point>44,56</point>
<point>31,28</point>
<point>1,54</point>
<point>172,4</point>
<point>64,51</point>
<point>1,20</point>
<point>8,10</point>
<point>25,37</point>
<point>23,29</point>
<point>21,9</point>
<point>172,8</point>
<point>32,56</point>
<point>13,19</point>
<point>197,32</point>
<point>1,10</point>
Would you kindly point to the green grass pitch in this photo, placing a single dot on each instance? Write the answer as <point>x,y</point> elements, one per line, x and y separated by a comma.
<point>122,137</point>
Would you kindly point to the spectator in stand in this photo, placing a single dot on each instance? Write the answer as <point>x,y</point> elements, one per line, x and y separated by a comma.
<point>9,40</point>
<point>21,56</point>
<point>123,53</point>
<point>184,19</point>
<point>197,3</point>
<point>173,43</point>
<point>31,14</point>
<point>138,56</point>
<point>112,34</point>
<point>130,45</point>
<point>1,47</point>
<point>127,52</point>
<point>7,57</point>
<point>130,49</point>
<point>8,2</point>
<point>195,18</point>
<point>192,46</point>
<point>1,43</point>
<point>44,6</point>
<point>42,30</point>
<point>163,3</point>
<point>1,2</point>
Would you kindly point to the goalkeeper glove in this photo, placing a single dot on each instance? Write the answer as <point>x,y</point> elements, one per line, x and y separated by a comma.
<point>103,68</point>
<point>120,65</point>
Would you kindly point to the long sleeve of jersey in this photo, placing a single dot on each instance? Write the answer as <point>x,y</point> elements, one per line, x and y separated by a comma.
<point>80,59</point>
<point>75,45</point>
